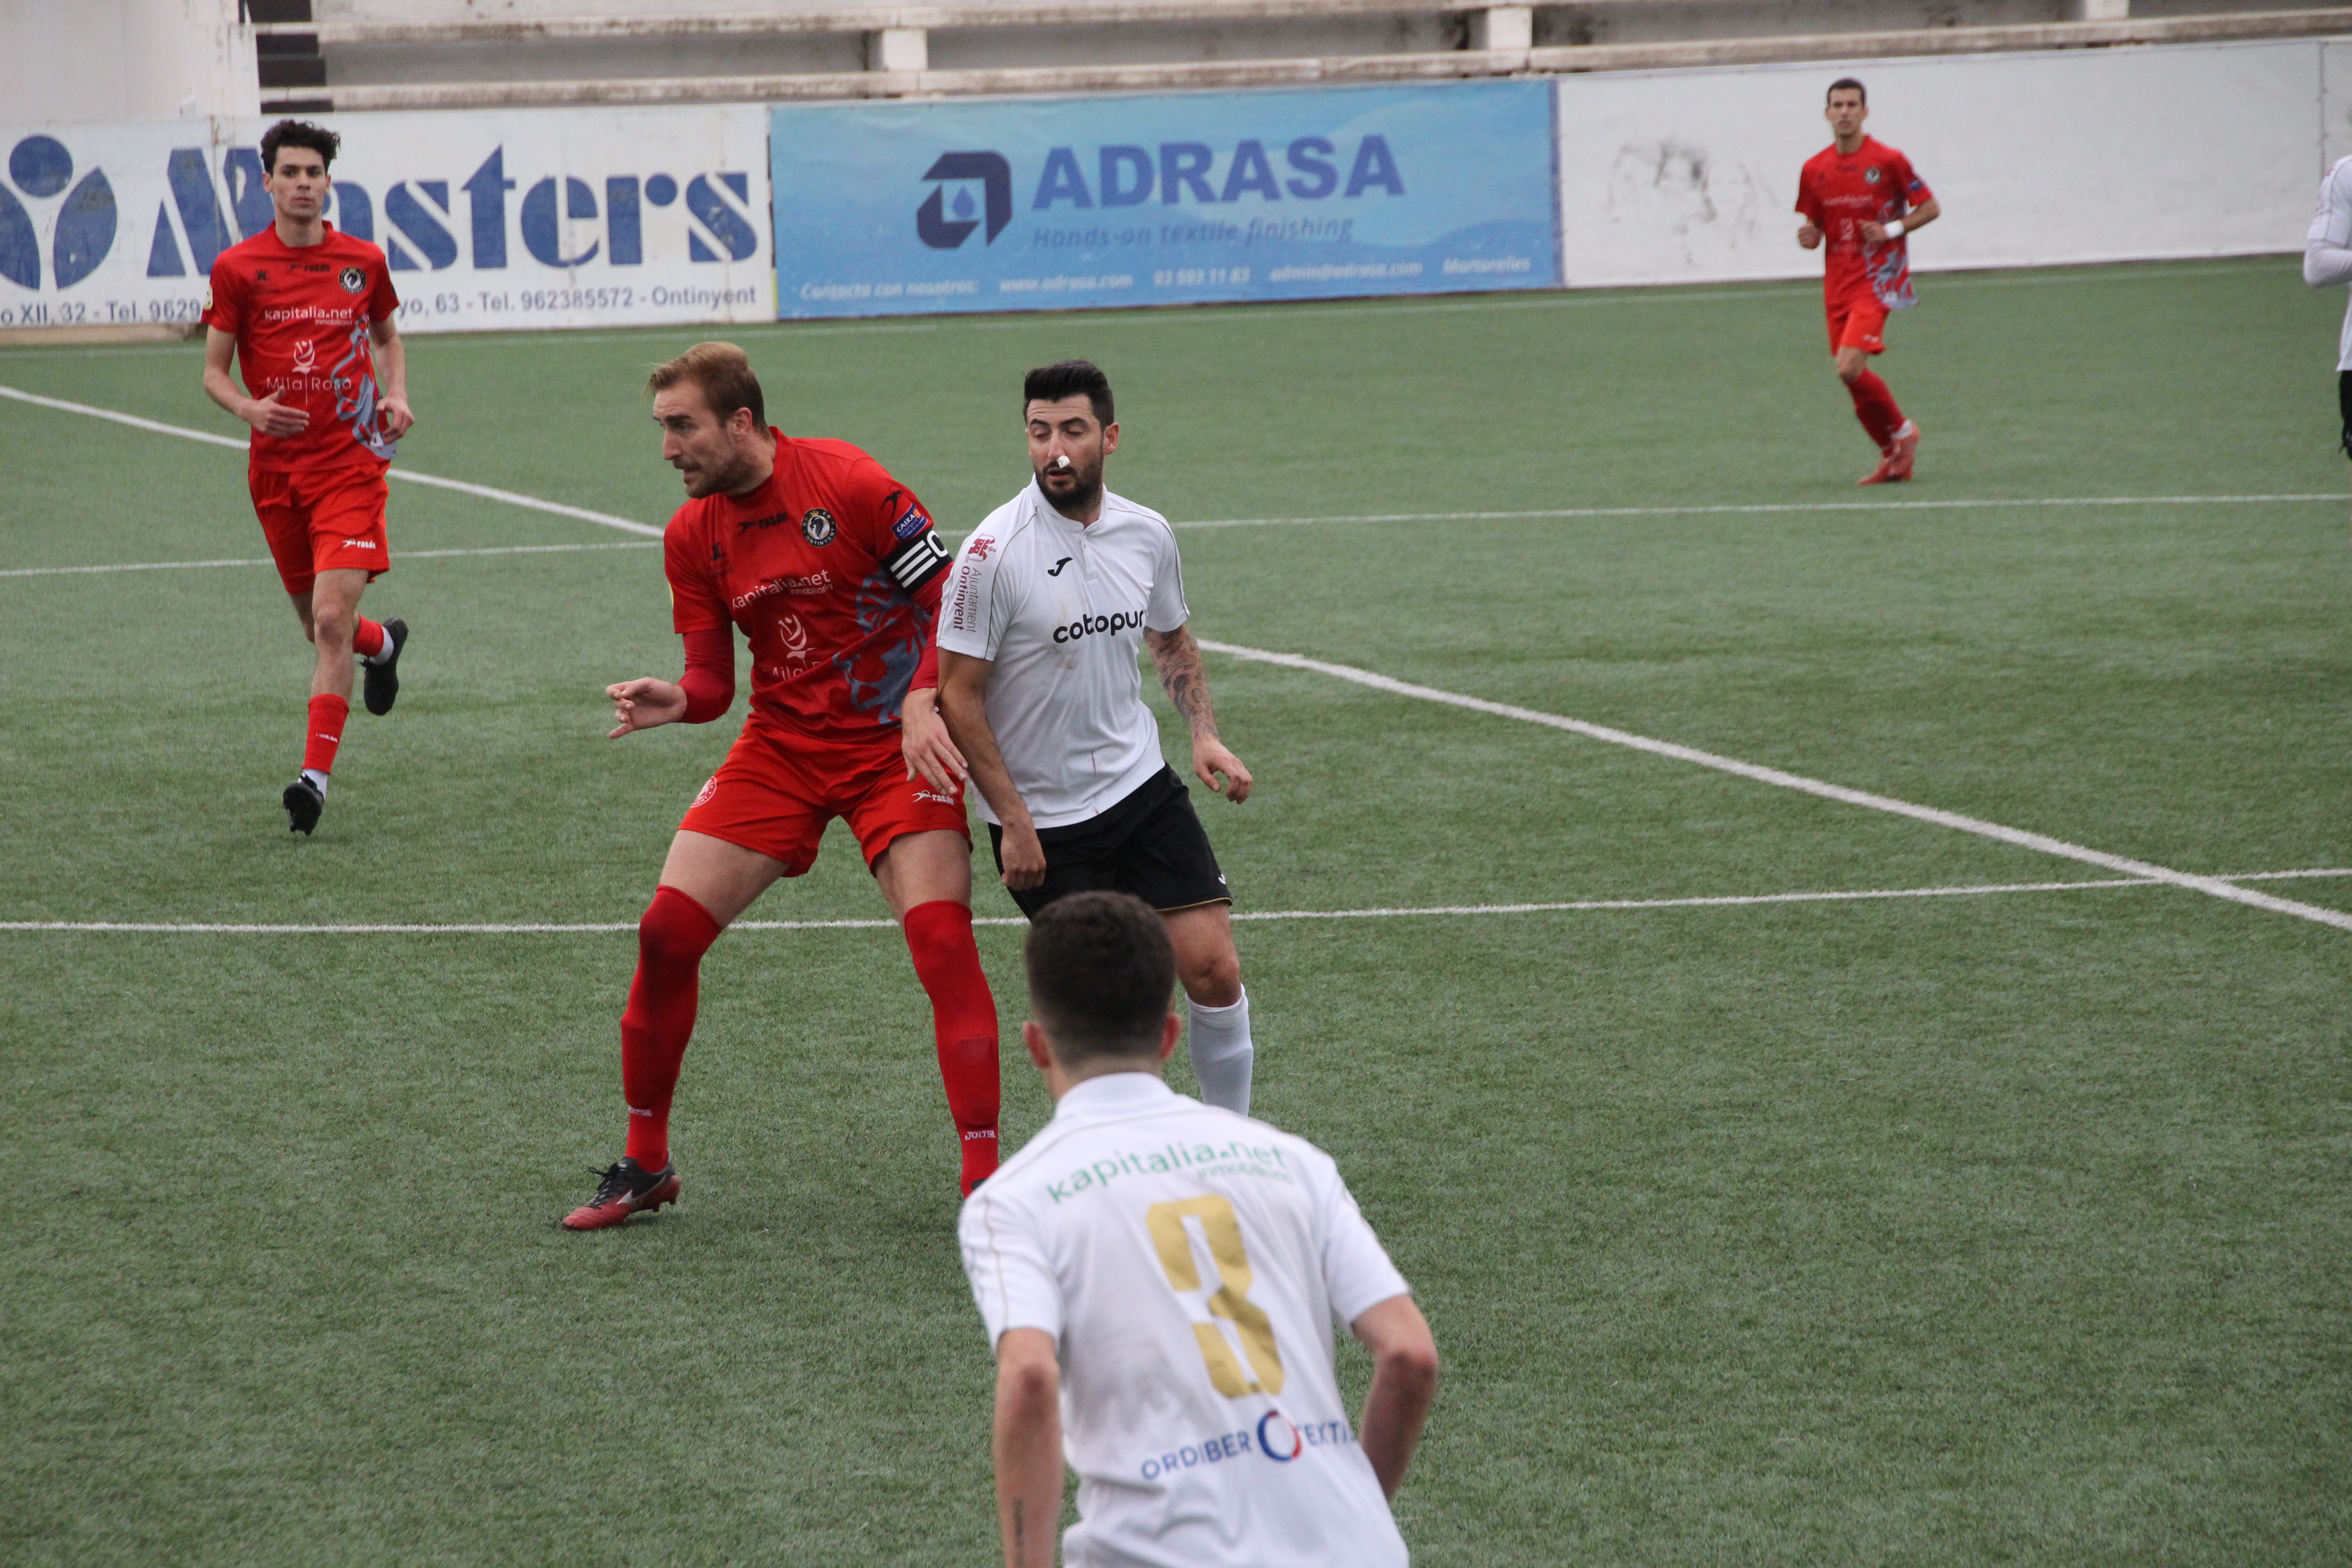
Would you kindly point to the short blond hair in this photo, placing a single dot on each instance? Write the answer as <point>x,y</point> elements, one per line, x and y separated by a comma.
<point>723,372</point>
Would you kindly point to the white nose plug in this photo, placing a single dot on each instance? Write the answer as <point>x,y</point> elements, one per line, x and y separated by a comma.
<point>1060,462</point>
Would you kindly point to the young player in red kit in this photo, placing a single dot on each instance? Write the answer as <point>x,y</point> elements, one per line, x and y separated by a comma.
<point>1862,197</point>
<point>307,313</point>
<point>833,570</point>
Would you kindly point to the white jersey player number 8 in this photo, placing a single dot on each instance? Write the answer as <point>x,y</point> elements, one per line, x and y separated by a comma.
<point>1221,1228</point>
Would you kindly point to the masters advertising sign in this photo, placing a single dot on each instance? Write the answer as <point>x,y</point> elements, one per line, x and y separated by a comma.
<point>516,219</point>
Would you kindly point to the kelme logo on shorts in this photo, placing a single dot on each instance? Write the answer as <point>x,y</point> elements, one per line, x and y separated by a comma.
<point>352,279</point>
<point>817,526</point>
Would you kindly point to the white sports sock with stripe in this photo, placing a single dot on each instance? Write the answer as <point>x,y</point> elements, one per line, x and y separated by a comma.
<point>1221,1053</point>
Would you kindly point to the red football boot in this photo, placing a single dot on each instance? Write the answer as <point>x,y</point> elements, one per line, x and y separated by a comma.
<point>626,1189</point>
<point>1906,452</point>
<point>1881,474</point>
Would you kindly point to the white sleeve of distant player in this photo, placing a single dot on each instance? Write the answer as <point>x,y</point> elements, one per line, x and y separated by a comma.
<point>2327,250</point>
<point>970,621</point>
<point>1167,611</point>
<point>1012,1281</point>
<point>1357,1273</point>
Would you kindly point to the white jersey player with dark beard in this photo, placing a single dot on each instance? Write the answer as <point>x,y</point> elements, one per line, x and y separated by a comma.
<point>1050,601</point>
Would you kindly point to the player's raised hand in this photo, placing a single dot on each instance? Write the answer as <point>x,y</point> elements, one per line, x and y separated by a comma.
<point>644,704</point>
<point>929,750</point>
<point>1808,235</point>
<point>1209,759</point>
<point>272,418</point>
<point>396,419</point>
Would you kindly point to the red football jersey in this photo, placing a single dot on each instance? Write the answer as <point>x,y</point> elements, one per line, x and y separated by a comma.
<point>833,570</point>
<point>1838,193</point>
<point>300,317</point>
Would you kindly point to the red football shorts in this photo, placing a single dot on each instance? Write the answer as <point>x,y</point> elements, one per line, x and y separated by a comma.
<point>777,790</point>
<point>321,520</point>
<point>1857,320</point>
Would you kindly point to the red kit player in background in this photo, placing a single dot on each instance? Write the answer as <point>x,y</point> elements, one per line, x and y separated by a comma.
<point>307,311</point>
<point>1862,197</point>
<point>833,570</point>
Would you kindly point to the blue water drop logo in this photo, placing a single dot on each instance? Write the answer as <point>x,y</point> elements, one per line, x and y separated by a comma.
<point>963,204</point>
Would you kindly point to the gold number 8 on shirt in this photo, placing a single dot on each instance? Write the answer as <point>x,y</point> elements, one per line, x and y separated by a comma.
<point>1222,1228</point>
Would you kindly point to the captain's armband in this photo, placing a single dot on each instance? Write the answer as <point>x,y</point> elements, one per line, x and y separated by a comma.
<point>917,561</point>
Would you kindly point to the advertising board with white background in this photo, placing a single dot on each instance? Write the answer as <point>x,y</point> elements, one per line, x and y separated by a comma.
<point>505,219</point>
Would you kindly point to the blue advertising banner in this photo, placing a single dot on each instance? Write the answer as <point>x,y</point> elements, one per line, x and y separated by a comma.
<point>1055,204</point>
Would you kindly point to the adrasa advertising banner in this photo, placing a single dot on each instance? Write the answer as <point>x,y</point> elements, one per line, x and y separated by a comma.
<point>898,208</point>
<point>511,219</point>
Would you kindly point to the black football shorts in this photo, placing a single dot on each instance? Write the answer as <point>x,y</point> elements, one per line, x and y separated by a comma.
<point>1151,843</point>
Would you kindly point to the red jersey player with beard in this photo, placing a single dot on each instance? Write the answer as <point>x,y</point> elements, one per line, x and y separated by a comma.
<point>1863,196</point>
<point>832,571</point>
<point>307,314</point>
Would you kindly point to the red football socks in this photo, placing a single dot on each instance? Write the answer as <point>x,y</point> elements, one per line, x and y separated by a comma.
<point>672,937</point>
<point>963,1022</point>
<point>1874,405</point>
<point>368,641</point>
<point>327,716</point>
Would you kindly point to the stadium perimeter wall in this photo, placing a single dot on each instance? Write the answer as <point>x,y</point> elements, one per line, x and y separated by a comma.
<point>559,218</point>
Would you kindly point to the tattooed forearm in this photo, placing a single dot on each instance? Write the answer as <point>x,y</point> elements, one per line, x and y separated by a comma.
<point>1178,658</point>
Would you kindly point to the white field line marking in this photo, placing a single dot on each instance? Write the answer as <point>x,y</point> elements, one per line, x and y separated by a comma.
<point>2048,845</point>
<point>488,493</point>
<point>404,555</point>
<point>1757,509</point>
<point>1575,295</point>
<point>1396,913</point>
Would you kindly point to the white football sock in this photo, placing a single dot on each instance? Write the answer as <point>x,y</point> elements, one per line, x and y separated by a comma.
<point>1221,1053</point>
<point>390,649</point>
<point>318,780</point>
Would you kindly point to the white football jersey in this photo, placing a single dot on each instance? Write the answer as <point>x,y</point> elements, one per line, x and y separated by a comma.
<point>1192,1264</point>
<point>1061,607</point>
<point>2327,250</point>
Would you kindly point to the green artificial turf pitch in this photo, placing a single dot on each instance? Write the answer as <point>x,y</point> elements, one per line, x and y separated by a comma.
<point>1992,1228</point>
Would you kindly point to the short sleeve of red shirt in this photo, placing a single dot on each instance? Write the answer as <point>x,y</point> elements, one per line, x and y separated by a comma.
<point>896,527</point>
<point>383,300</point>
<point>695,605</point>
<point>1907,180</point>
<point>1805,194</point>
<point>888,513</point>
<point>223,301</point>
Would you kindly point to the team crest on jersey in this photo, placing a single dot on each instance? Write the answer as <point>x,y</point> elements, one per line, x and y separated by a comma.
<point>817,526</point>
<point>1872,175</point>
<point>354,280</point>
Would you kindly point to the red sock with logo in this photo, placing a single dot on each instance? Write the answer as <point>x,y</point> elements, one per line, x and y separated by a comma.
<point>964,1022</point>
<point>1874,405</point>
<point>327,716</point>
<point>672,937</point>
<point>368,641</point>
